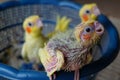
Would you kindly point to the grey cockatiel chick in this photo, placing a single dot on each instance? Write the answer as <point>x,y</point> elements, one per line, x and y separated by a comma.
<point>70,51</point>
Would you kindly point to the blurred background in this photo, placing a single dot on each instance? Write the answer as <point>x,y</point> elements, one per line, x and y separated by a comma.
<point>111,9</point>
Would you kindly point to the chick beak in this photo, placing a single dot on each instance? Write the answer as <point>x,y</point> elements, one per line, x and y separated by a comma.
<point>99,28</point>
<point>39,24</point>
<point>28,29</point>
<point>85,17</point>
<point>96,11</point>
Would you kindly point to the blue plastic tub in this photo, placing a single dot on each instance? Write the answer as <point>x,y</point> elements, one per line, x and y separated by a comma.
<point>13,13</point>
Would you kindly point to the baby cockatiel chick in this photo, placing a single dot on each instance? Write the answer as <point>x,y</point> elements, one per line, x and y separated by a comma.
<point>71,50</point>
<point>89,12</point>
<point>34,39</point>
<point>62,25</point>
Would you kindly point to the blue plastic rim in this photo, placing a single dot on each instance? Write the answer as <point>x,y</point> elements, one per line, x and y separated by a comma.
<point>108,56</point>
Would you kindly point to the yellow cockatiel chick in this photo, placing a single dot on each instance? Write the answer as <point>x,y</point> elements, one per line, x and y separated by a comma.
<point>34,39</point>
<point>89,12</point>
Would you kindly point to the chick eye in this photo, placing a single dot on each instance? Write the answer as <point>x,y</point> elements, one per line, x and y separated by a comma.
<point>87,11</point>
<point>30,24</point>
<point>88,29</point>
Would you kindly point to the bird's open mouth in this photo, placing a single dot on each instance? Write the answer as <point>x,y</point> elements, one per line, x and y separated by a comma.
<point>99,30</point>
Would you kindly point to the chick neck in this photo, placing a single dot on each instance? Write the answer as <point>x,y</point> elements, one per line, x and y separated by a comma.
<point>33,36</point>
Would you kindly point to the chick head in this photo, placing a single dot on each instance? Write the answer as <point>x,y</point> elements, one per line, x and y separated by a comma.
<point>33,25</point>
<point>89,32</point>
<point>89,11</point>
